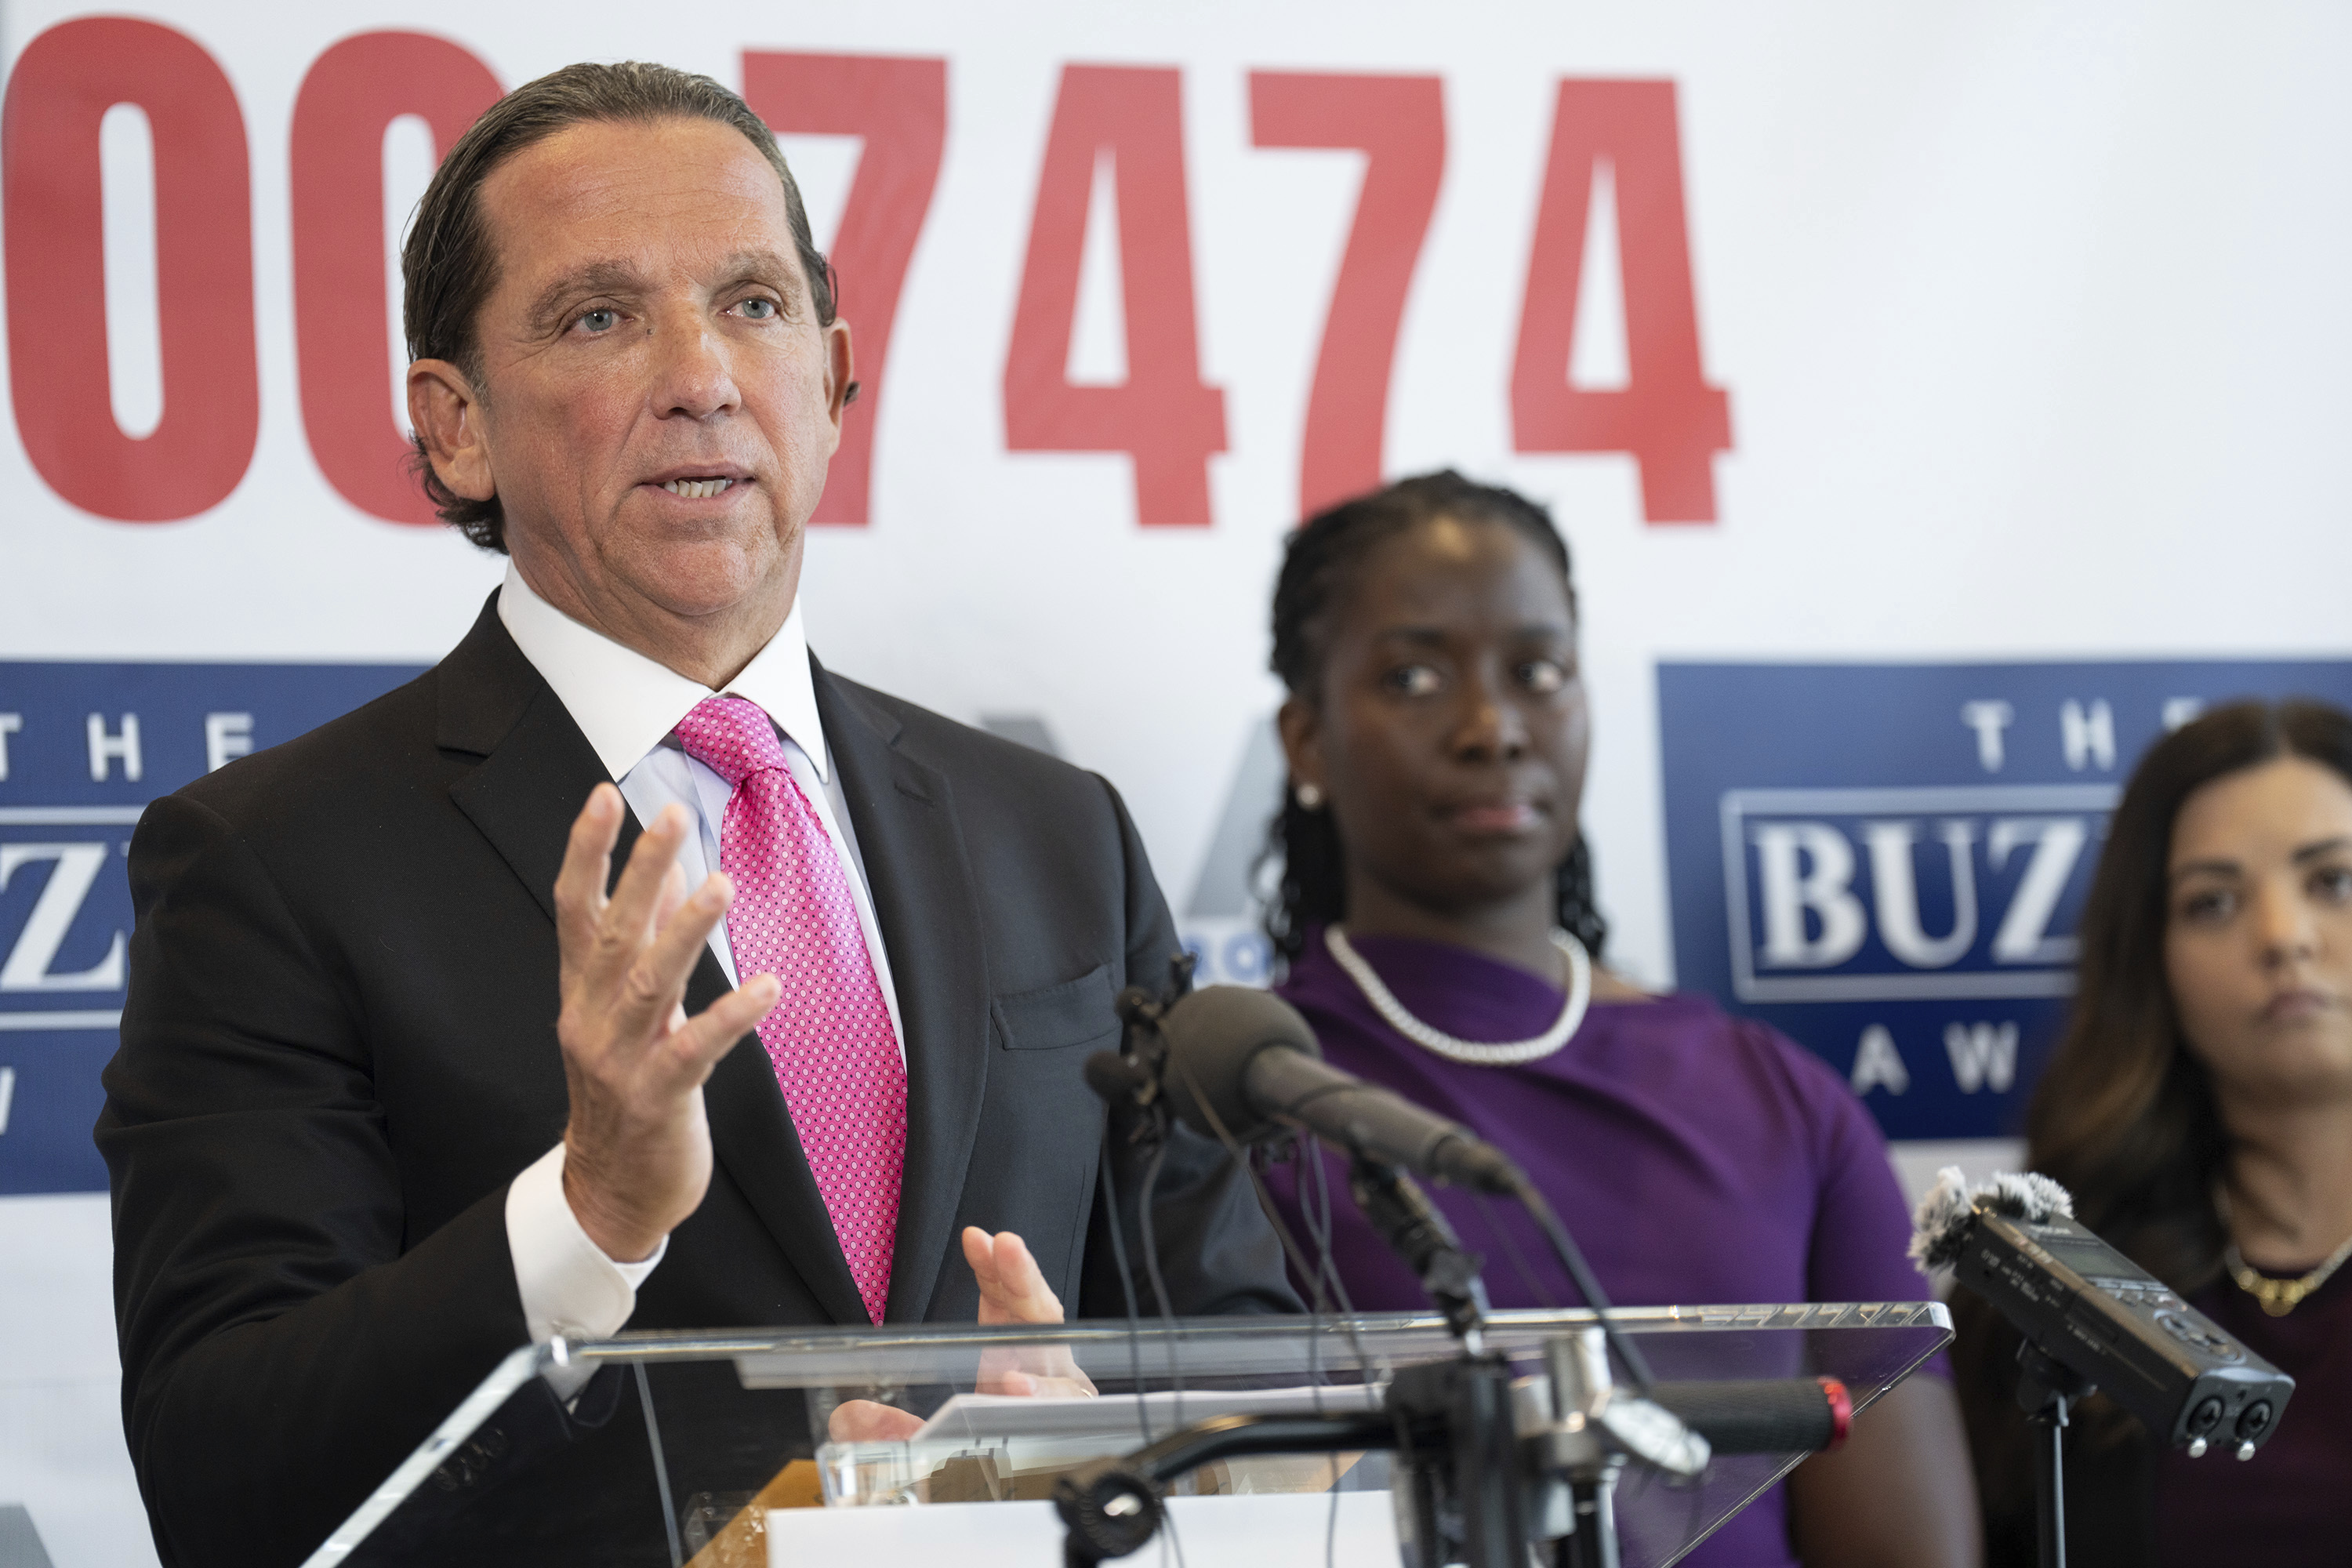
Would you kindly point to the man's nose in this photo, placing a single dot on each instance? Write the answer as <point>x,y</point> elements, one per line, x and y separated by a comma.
<point>693,370</point>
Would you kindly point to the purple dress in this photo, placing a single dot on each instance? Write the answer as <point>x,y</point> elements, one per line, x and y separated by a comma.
<point>1696,1158</point>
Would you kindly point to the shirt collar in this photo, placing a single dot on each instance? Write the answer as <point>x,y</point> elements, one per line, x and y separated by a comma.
<point>628,704</point>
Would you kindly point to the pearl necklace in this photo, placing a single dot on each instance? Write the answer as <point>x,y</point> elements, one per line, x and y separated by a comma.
<point>1513,1053</point>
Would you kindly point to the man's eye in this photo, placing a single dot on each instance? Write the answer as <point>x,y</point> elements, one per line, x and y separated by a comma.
<point>1414,679</point>
<point>600,319</point>
<point>1545,676</point>
<point>760,309</point>
<point>2332,884</point>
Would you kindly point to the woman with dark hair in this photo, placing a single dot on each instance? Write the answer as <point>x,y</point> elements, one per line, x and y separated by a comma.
<point>2199,1107</point>
<point>1437,923</point>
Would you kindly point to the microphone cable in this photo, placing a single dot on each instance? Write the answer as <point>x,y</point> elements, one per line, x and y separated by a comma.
<point>1126,1289</point>
<point>1160,1286</point>
<point>1167,1311</point>
<point>1318,1219</point>
<point>1637,1366</point>
<point>1519,1265</point>
<point>1325,1269</point>
<point>1327,1266</point>
<point>1563,1245</point>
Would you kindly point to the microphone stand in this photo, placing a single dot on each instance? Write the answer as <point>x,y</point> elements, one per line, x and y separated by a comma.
<point>2046,1392</point>
<point>1461,1424</point>
<point>1495,1467</point>
<point>1418,1233</point>
<point>1580,1374</point>
<point>1454,1421</point>
<point>1492,1467</point>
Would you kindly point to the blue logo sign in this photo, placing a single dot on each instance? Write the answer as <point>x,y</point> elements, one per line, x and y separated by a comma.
<point>83,747</point>
<point>1888,862</point>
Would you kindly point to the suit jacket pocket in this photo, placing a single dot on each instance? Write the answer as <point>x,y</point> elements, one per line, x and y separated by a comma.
<point>1075,1013</point>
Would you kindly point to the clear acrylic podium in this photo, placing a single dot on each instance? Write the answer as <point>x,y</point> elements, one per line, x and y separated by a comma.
<point>971,1485</point>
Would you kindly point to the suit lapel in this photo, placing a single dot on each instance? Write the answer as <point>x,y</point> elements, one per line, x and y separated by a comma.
<point>536,772</point>
<point>926,905</point>
<point>536,768</point>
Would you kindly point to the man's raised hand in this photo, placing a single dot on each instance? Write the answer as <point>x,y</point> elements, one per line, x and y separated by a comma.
<point>1014,1290</point>
<point>1011,1288</point>
<point>636,1150</point>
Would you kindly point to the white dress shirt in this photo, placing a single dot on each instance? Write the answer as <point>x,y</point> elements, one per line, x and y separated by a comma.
<point>628,704</point>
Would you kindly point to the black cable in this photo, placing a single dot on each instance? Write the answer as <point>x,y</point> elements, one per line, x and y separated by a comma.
<point>1518,1257</point>
<point>1126,1289</point>
<point>1328,1264</point>
<point>1323,1280</point>
<point>1326,1279</point>
<point>1310,1151</point>
<point>1318,1219</point>
<point>1316,1214</point>
<point>1328,1268</point>
<point>1637,1366</point>
<point>1167,1310</point>
<point>1290,1248</point>
<point>1160,1286</point>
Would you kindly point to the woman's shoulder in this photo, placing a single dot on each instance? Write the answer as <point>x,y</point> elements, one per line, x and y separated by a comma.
<point>1698,1020</point>
<point>1694,1035</point>
<point>1681,1047</point>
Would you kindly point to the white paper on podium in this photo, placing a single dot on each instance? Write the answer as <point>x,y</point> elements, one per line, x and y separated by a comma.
<point>1273,1531</point>
<point>969,1417</point>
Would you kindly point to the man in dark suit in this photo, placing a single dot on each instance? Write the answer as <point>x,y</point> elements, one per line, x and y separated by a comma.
<point>408,1076</point>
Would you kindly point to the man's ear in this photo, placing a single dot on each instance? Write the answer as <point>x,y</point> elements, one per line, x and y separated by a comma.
<point>840,374</point>
<point>1301,727</point>
<point>447,414</point>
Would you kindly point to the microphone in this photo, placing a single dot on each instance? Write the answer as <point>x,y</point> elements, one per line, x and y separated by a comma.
<point>1784,1415</point>
<point>2015,1242</point>
<point>1238,1063</point>
<point>1245,1059</point>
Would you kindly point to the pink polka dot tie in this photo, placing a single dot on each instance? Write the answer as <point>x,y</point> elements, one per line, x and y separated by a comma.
<point>835,1056</point>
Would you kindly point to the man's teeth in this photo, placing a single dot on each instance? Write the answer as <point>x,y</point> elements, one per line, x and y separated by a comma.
<point>696,489</point>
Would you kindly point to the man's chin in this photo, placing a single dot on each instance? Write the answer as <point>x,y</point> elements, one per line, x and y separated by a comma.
<point>713,579</point>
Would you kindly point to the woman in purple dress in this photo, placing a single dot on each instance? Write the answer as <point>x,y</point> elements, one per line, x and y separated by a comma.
<point>1437,924</point>
<point>2199,1109</point>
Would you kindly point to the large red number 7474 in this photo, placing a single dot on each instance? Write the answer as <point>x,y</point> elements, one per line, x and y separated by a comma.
<point>1127,120</point>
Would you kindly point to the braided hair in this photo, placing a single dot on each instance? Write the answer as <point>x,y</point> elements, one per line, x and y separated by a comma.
<point>1316,569</point>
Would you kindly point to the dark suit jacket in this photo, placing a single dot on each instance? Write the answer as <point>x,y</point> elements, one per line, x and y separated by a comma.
<point>339,1047</point>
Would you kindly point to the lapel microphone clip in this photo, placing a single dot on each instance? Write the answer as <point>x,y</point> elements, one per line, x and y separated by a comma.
<point>1135,1075</point>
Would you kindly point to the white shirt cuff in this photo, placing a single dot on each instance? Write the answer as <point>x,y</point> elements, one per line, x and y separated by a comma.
<point>567,1284</point>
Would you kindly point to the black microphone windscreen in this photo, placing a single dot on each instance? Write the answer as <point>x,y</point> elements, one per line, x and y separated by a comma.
<point>1795,1415</point>
<point>1212,1035</point>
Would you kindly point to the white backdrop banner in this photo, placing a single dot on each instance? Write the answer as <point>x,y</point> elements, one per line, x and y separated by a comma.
<point>1923,339</point>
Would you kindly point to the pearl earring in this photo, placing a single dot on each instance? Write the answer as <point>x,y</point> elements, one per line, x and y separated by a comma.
<point>1310,796</point>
